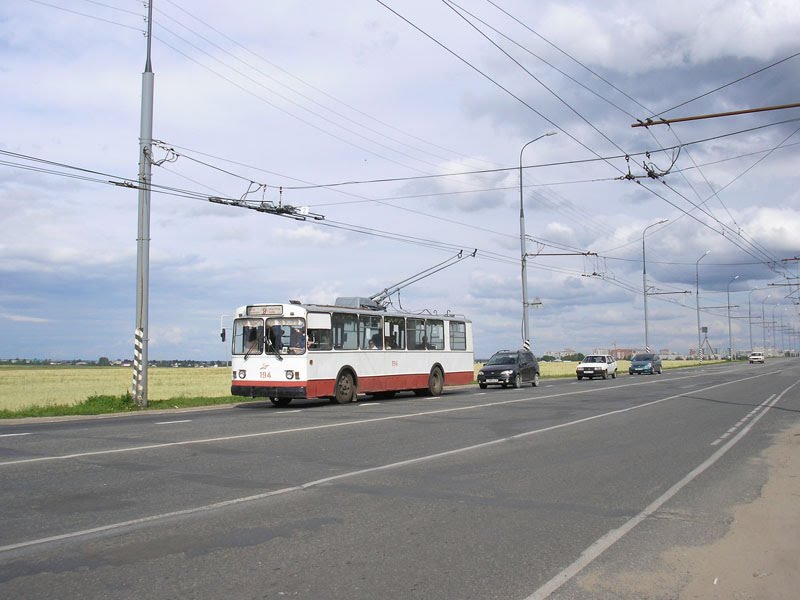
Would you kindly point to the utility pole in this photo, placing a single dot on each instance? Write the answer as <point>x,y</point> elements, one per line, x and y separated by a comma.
<point>141,335</point>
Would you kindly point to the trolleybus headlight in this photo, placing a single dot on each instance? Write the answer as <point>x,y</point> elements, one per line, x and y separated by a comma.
<point>289,374</point>
<point>242,374</point>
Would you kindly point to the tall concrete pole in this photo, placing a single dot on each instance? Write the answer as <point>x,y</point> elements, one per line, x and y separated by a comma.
<point>141,335</point>
<point>523,249</point>
<point>697,298</point>
<point>730,331</point>
<point>644,283</point>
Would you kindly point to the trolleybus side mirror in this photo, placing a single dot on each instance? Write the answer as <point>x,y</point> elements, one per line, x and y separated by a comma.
<point>222,334</point>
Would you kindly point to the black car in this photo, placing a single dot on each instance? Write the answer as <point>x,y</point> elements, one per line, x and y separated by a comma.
<point>510,367</point>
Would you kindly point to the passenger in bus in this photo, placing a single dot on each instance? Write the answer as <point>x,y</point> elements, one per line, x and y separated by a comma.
<point>375,342</point>
<point>388,342</point>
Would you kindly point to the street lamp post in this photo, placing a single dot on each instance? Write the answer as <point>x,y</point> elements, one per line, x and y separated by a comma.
<point>772,322</point>
<point>730,331</point>
<point>764,324</point>
<point>697,298</point>
<point>750,315</point>
<point>523,248</point>
<point>644,283</point>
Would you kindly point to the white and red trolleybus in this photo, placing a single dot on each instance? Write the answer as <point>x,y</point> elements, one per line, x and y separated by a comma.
<point>287,351</point>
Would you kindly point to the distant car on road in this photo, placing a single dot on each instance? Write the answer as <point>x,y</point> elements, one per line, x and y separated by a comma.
<point>756,357</point>
<point>645,363</point>
<point>509,367</point>
<point>597,365</point>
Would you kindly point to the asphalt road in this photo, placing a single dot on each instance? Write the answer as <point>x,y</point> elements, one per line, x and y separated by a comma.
<point>512,494</point>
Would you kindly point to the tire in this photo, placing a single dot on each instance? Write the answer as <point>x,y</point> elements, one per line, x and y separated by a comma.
<point>517,381</point>
<point>605,374</point>
<point>345,390</point>
<point>436,382</point>
<point>280,401</point>
<point>482,386</point>
<point>580,377</point>
<point>614,375</point>
<point>535,382</point>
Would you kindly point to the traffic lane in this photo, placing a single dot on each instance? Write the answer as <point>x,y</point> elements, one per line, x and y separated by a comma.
<point>34,440</point>
<point>650,561</point>
<point>44,499</point>
<point>144,436</point>
<point>116,487</point>
<point>490,523</point>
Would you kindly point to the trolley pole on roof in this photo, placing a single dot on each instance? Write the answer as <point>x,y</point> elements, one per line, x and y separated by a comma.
<point>141,336</point>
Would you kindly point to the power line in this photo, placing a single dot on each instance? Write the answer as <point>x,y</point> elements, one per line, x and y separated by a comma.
<point>735,81</point>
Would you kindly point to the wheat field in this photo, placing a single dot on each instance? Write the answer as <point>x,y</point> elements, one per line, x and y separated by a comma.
<point>21,387</point>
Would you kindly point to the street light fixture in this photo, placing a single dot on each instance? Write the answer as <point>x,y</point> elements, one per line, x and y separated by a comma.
<point>523,247</point>
<point>697,298</point>
<point>730,331</point>
<point>644,283</point>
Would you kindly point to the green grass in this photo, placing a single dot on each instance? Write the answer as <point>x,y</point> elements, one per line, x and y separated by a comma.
<point>100,405</point>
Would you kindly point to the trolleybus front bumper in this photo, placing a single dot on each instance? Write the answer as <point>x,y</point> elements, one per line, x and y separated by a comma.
<point>268,391</point>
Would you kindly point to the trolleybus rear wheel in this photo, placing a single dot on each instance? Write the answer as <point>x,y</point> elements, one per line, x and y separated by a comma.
<point>436,382</point>
<point>280,401</point>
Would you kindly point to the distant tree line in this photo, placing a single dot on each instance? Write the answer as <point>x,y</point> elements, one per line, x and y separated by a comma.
<point>104,361</point>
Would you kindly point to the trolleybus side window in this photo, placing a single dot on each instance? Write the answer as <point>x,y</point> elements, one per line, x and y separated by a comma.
<point>458,335</point>
<point>345,331</point>
<point>415,334</point>
<point>248,336</point>
<point>434,331</point>
<point>319,331</point>
<point>369,332</point>
<point>394,333</point>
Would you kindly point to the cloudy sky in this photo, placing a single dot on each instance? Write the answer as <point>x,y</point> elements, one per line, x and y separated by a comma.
<point>401,123</point>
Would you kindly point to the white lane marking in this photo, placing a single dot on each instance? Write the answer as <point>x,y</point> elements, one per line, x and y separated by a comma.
<point>14,434</point>
<point>360,404</point>
<point>742,421</point>
<point>613,536</point>
<point>357,422</point>
<point>171,422</point>
<point>403,463</point>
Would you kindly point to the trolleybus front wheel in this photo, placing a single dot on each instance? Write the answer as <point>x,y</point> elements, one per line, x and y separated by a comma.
<point>280,401</point>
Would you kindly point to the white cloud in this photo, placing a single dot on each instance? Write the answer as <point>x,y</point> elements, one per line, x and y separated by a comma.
<point>408,109</point>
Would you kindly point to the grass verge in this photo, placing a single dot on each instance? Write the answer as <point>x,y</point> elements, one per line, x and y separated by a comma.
<point>100,405</point>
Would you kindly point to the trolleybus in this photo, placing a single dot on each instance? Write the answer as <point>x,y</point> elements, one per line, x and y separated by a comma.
<point>287,351</point>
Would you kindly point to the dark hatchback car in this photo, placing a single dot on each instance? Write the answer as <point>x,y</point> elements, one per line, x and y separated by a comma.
<point>645,363</point>
<point>510,367</point>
